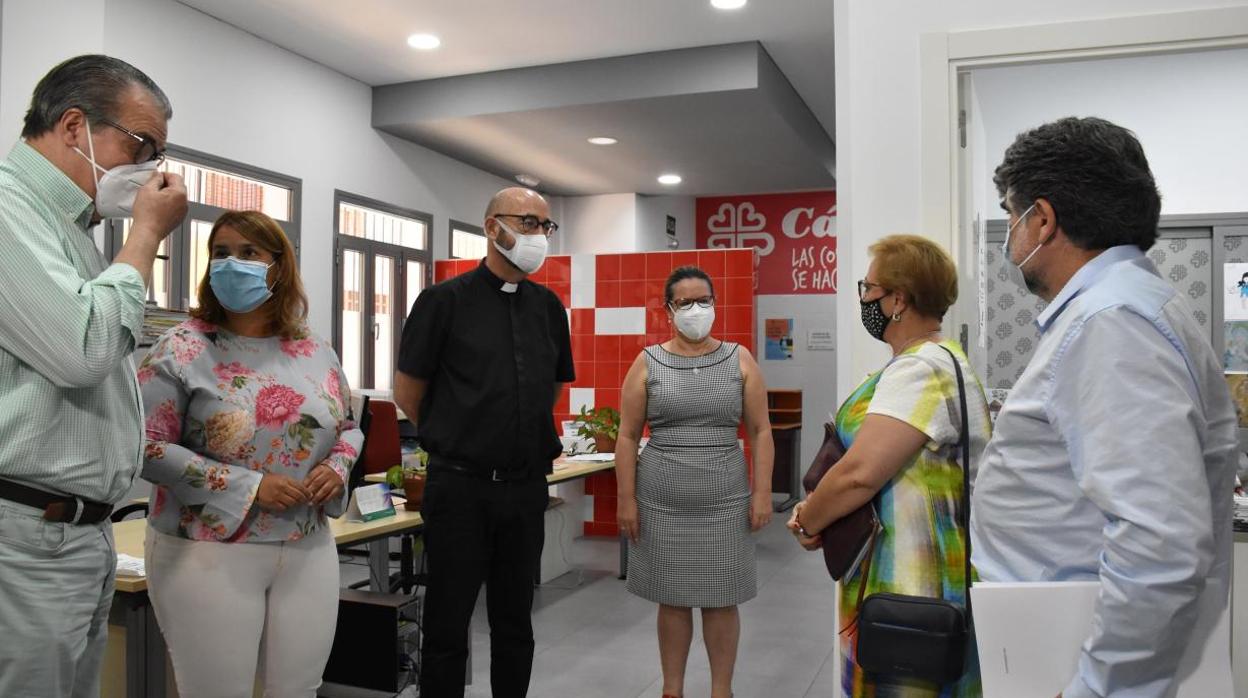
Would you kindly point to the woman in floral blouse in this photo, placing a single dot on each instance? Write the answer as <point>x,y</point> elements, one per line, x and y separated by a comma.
<point>249,447</point>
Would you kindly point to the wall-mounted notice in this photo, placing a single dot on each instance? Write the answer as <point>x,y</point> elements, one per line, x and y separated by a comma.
<point>778,333</point>
<point>821,340</point>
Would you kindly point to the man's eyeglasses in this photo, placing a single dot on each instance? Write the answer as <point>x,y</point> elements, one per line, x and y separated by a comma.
<point>687,303</point>
<point>149,151</point>
<point>530,223</point>
<point>864,287</point>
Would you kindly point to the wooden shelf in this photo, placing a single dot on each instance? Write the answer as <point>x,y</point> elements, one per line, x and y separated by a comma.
<point>786,425</point>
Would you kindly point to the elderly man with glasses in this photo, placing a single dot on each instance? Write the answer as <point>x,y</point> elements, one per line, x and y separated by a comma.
<point>71,437</point>
<point>484,356</point>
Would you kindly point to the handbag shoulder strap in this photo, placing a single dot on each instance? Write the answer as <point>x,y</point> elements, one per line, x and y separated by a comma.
<point>965,442</point>
<point>966,478</point>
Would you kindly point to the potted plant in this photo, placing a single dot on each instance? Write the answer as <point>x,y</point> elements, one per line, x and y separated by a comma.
<point>410,476</point>
<point>602,424</point>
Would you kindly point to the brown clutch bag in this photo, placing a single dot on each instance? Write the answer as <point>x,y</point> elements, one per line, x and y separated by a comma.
<point>846,540</point>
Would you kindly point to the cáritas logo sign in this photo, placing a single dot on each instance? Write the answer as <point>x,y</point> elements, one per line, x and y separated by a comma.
<point>795,235</point>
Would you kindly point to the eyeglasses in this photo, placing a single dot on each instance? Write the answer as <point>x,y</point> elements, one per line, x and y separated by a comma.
<point>530,223</point>
<point>687,303</point>
<point>864,287</point>
<point>149,151</point>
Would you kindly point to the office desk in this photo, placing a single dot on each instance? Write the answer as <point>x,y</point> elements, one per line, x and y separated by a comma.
<point>145,647</point>
<point>565,471</point>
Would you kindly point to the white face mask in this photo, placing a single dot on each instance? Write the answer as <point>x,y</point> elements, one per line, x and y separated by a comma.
<point>1015,271</point>
<point>695,322</point>
<point>117,188</point>
<point>528,252</point>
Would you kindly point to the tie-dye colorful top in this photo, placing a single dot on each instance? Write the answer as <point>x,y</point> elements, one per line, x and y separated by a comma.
<point>225,410</point>
<point>921,550</point>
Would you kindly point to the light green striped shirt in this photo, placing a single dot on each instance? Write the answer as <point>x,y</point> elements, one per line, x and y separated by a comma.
<point>70,416</point>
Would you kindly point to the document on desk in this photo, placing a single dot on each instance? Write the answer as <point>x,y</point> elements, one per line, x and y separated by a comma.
<point>591,458</point>
<point>130,566</point>
<point>1030,636</point>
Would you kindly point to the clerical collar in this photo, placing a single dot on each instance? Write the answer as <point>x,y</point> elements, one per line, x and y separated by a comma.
<point>493,281</point>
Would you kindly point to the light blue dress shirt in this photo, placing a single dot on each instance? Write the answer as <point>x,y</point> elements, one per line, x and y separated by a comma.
<point>1113,458</point>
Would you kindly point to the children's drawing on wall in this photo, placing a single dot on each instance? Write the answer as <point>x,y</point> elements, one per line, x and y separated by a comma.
<point>1235,291</point>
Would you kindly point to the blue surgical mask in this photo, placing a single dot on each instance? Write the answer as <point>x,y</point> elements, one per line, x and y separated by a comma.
<point>240,286</point>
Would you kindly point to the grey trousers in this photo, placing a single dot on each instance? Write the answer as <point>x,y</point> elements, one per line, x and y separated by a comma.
<point>56,587</point>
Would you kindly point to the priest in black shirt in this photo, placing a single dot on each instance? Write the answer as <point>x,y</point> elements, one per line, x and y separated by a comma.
<point>483,358</point>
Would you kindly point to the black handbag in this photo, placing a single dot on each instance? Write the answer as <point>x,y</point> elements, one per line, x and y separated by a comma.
<point>917,637</point>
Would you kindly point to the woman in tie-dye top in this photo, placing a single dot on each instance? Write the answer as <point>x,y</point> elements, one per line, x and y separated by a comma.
<point>901,429</point>
<point>249,446</point>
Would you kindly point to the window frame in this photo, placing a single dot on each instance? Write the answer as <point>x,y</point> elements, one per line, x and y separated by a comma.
<point>452,226</point>
<point>371,249</point>
<point>178,262</point>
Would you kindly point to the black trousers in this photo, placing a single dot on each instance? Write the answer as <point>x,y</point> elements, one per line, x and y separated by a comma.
<point>478,530</point>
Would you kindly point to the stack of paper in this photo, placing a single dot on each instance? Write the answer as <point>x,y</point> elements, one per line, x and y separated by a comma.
<point>157,321</point>
<point>130,566</point>
<point>591,458</point>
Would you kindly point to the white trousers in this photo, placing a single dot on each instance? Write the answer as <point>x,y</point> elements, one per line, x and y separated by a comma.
<point>224,607</point>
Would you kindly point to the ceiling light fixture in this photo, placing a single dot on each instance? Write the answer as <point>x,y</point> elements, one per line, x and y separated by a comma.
<point>728,4</point>
<point>424,42</point>
<point>603,140</point>
<point>669,179</point>
<point>528,180</point>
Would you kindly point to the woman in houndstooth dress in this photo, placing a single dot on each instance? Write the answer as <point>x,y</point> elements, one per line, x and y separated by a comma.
<point>687,503</point>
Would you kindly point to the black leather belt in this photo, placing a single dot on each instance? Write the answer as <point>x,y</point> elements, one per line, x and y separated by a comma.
<point>57,508</point>
<point>497,475</point>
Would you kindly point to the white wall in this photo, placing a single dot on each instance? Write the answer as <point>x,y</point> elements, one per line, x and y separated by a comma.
<point>37,36</point>
<point>652,213</point>
<point>615,223</point>
<point>812,372</point>
<point>238,97</point>
<point>878,123</point>
<point>598,224</point>
<point>1189,110</point>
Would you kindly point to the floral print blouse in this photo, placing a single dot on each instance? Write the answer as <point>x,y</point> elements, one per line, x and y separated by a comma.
<point>223,410</point>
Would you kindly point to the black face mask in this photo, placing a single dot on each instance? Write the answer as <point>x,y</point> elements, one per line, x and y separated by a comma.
<point>874,319</point>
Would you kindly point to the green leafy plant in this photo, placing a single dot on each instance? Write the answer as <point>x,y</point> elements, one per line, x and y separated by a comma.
<point>598,422</point>
<point>416,468</point>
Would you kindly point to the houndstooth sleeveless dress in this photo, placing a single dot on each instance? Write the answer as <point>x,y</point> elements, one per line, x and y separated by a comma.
<point>693,489</point>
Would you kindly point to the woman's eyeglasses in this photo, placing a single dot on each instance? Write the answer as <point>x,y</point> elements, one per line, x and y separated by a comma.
<point>864,287</point>
<point>687,303</point>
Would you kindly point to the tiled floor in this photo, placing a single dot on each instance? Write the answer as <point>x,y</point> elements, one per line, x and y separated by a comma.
<point>595,640</point>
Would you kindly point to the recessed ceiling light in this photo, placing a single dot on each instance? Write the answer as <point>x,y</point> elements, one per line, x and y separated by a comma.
<point>669,179</point>
<point>424,42</point>
<point>603,140</point>
<point>728,4</point>
<point>528,180</point>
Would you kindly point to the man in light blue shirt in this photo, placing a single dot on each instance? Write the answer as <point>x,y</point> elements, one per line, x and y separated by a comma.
<point>1113,458</point>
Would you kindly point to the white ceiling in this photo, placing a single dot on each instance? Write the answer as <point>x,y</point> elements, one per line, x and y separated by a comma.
<point>366,39</point>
